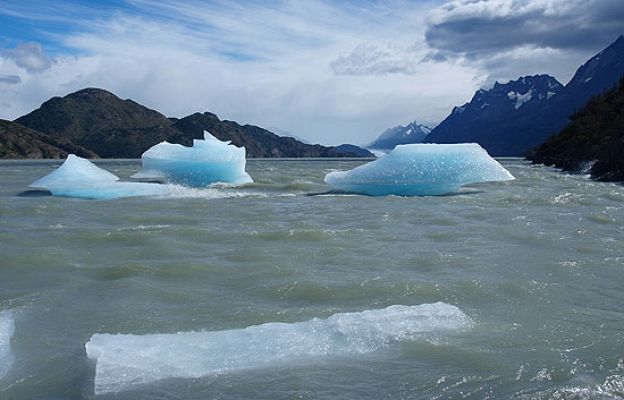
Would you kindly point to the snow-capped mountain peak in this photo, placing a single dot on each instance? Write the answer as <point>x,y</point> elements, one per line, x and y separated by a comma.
<point>411,133</point>
<point>512,118</point>
<point>512,96</point>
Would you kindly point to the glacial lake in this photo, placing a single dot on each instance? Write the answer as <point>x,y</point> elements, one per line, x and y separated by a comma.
<point>277,290</point>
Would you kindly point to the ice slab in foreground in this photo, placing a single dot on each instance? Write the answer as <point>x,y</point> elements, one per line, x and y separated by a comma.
<point>7,328</point>
<point>421,170</point>
<point>208,161</point>
<point>79,177</point>
<point>124,361</point>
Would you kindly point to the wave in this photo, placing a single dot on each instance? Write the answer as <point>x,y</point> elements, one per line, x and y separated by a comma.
<point>220,191</point>
<point>611,389</point>
<point>124,360</point>
<point>216,191</point>
<point>7,328</point>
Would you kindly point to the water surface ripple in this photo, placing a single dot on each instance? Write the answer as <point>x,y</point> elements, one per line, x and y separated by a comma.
<point>536,264</point>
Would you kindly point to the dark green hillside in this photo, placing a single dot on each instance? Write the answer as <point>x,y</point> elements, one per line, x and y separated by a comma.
<point>102,122</point>
<point>593,141</point>
<point>258,142</point>
<point>18,141</point>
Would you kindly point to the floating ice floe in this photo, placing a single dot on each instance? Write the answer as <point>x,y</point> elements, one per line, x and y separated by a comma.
<point>7,328</point>
<point>79,177</point>
<point>421,170</point>
<point>208,161</point>
<point>124,361</point>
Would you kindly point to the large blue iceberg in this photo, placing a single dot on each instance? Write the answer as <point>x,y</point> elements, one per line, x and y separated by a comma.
<point>421,170</point>
<point>208,161</point>
<point>79,177</point>
<point>124,361</point>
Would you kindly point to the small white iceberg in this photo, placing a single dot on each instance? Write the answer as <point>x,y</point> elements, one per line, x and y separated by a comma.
<point>79,177</point>
<point>421,170</point>
<point>124,361</point>
<point>7,328</point>
<point>208,161</point>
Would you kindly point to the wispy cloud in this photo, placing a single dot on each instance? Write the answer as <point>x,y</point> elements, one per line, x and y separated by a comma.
<point>372,60</point>
<point>10,79</point>
<point>328,71</point>
<point>249,61</point>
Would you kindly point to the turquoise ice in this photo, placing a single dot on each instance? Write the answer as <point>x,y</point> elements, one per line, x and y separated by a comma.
<point>80,178</point>
<point>421,170</point>
<point>208,161</point>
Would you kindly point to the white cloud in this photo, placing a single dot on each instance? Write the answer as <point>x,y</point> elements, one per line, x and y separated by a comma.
<point>259,64</point>
<point>459,10</point>
<point>328,71</point>
<point>372,60</point>
<point>29,56</point>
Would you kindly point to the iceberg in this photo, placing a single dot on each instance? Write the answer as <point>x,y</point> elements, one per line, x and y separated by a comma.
<point>79,177</point>
<point>75,171</point>
<point>7,328</point>
<point>421,170</point>
<point>208,161</point>
<point>124,360</point>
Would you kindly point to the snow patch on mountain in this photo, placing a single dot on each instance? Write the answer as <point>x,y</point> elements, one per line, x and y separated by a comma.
<point>520,99</point>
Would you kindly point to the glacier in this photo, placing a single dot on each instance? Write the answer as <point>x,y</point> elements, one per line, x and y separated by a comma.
<point>208,161</point>
<point>80,178</point>
<point>7,328</point>
<point>421,170</point>
<point>124,361</point>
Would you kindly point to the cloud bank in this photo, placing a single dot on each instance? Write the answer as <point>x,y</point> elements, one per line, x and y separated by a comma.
<point>537,35</point>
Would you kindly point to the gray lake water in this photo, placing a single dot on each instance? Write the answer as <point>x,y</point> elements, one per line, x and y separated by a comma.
<point>531,272</point>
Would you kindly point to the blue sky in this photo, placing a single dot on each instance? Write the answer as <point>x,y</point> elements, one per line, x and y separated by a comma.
<point>329,72</point>
<point>46,22</point>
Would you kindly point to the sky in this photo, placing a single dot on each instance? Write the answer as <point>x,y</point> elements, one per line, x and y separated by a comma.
<point>329,72</point>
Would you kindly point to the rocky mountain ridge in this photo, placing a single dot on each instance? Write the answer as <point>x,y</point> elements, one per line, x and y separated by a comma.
<point>110,127</point>
<point>513,118</point>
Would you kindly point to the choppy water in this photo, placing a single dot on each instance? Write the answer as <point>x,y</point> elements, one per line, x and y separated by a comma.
<point>514,290</point>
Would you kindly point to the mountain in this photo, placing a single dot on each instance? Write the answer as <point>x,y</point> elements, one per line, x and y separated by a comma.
<point>486,118</point>
<point>347,150</point>
<point>411,133</point>
<point>599,74</point>
<point>354,151</point>
<point>593,141</point>
<point>18,141</point>
<point>101,122</point>
<point>510,119</point>
<point>114,128</point>
<point>282,132</point>
<point>257,141</point>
